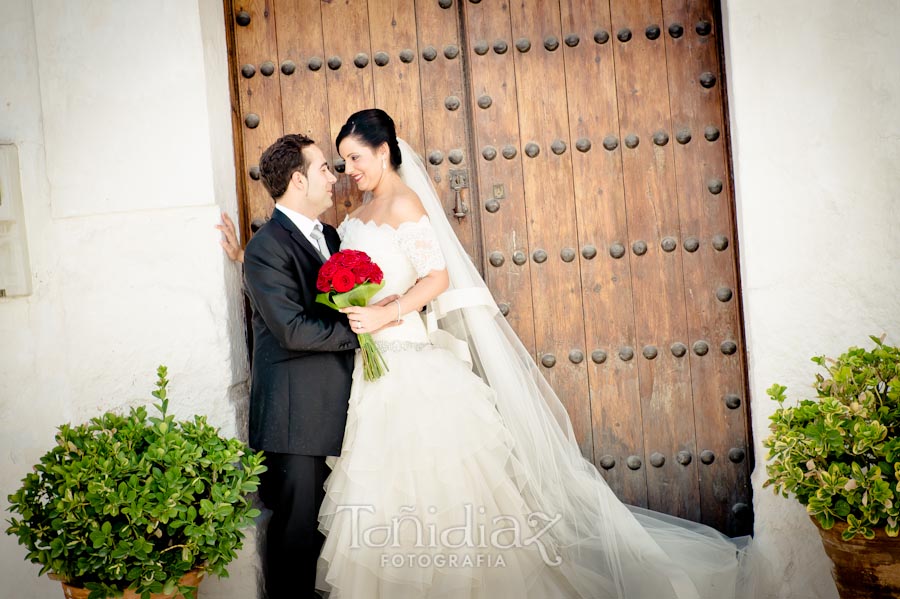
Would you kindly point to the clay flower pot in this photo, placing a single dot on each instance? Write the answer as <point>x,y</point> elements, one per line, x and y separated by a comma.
<point>863,569</point>
<point>192,578</point>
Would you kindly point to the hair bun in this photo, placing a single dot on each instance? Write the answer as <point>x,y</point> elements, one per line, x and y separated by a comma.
<point>373,127</point>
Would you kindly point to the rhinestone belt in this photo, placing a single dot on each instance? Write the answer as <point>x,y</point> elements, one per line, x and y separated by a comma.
<point>398,346</point>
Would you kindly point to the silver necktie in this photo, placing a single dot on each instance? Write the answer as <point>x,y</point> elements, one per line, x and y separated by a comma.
<point>320,241</point>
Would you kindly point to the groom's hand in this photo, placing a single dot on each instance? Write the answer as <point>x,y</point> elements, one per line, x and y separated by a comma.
<point>230,242</point>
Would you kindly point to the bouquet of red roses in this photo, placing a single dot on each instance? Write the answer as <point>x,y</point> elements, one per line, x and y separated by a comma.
<point>350,278</point>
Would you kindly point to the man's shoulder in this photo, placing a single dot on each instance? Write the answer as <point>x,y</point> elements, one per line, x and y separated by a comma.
<point>266,238</point>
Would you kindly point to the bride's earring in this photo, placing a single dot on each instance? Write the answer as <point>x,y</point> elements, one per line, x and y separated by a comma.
<point>383,164</point>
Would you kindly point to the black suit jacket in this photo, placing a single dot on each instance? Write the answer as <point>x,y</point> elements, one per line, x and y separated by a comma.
<point>302,351</point>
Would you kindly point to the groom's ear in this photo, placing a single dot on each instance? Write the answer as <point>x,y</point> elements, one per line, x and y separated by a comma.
<point>299,180</point>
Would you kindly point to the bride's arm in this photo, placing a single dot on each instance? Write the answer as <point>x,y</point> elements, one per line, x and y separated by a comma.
<point>373,318</point>
<point>426,289</point>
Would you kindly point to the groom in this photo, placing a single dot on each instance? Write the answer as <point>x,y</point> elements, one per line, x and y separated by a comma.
<point>302,361</point>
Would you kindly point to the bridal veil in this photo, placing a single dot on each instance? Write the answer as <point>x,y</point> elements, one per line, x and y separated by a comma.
<point>608,549</point>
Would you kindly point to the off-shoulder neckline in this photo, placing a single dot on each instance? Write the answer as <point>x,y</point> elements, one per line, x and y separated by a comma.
<point>367,223</point>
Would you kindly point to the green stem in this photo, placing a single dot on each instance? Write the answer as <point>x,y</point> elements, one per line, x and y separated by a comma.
<point>374,366</point>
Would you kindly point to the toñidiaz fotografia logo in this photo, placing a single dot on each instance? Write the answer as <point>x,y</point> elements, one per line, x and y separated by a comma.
<point>413,538</point>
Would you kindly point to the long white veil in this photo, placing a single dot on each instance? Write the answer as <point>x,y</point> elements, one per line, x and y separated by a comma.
<point>608,549</point>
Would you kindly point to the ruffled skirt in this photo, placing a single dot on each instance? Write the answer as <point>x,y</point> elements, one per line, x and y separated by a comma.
<point>427,499</point>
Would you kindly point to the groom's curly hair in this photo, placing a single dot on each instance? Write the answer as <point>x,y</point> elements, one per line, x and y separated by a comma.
<point>281,160</point>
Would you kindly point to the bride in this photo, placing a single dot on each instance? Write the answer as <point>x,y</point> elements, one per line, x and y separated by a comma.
<point>459,475</point>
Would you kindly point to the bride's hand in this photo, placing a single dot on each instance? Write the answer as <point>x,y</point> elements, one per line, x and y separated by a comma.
<point>371,319</point>
<point>230,243</point>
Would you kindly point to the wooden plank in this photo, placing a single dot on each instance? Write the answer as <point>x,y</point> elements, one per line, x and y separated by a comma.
<point>710,275</point>
<point>240,168</point>
<point>605,281</point>
<point>550,205</point>
<point>234,74</point>
<point>392,30</point>
<point>447,131</point>
<point>260,94</point>
<point>345,27</point>
<point>302,75</point>
<point>502,199</point>
<point>651,201</point>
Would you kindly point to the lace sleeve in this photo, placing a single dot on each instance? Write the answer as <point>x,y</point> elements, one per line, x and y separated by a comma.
<point>342,227</point>
<point>420,244</point>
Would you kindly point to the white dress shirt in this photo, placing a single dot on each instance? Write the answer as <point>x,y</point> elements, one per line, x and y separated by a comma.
<point>302,222</point>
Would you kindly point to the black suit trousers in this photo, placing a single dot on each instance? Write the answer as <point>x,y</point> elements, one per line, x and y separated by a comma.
<point>293,489</point>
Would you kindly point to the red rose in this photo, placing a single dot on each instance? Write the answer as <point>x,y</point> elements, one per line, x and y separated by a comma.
<point>323,284</point>
<point>362,272</point>
<point>328,269</point>
<point>373,273</point>
<point>349,259</point>
<point>343,280</point>
<point>365,272</point>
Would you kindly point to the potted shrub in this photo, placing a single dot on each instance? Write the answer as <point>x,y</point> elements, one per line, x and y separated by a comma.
<point>839,455</point>
<point>136,505</point>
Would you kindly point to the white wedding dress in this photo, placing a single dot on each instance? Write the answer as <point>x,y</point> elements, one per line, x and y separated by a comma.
<point>421,444</point>
<point>448,488</point>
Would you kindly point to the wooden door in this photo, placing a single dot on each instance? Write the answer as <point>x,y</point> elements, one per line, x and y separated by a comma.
<point>303,66</point>
<point>592,135</point>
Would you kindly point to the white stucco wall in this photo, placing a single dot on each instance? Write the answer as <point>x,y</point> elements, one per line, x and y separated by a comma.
<point>121,116</point>
<point>814,90</point>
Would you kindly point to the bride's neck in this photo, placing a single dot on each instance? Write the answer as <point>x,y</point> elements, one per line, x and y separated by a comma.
<point>387,187</point>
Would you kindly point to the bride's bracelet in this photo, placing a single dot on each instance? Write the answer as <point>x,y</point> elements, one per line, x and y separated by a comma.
<point>398,310</point>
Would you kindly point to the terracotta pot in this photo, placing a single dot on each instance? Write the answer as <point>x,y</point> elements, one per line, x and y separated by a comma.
<point>863,569</point>
<point>192,578</point>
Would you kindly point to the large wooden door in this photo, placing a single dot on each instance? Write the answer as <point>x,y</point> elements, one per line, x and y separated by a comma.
<point>589,141</point>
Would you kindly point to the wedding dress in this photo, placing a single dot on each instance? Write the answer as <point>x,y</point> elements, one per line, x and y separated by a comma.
<point>459,475</point>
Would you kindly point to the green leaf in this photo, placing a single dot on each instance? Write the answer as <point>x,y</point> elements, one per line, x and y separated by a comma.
<point>839,453</point>
<point>826,520</point>
<point>358,296</point>
<point>114,493</point>
<point>325,298</point>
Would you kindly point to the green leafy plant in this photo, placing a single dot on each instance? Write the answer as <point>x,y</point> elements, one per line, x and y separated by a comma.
<point>131,501</point>
<point>840,453</point>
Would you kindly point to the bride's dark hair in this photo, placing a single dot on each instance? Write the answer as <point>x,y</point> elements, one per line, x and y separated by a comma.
<point>373,127</point>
